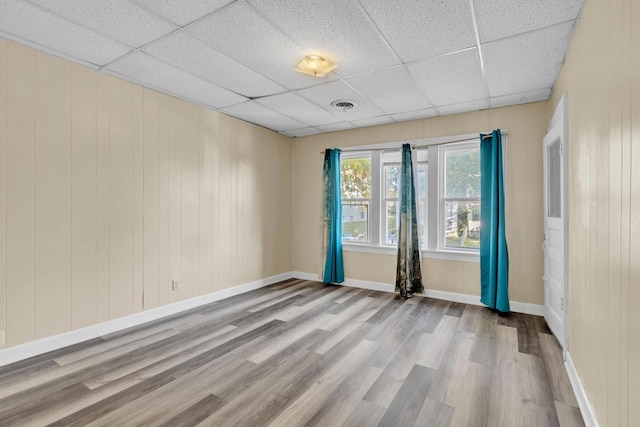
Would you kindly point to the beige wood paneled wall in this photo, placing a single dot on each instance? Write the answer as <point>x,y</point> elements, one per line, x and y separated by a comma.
<point>108,191</point>
<point>602,78</point>
<point>526,125</point>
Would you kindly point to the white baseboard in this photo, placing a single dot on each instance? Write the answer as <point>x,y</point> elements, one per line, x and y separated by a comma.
<point>44,345</point>
<point>588,414</point>
<point>516,306</point>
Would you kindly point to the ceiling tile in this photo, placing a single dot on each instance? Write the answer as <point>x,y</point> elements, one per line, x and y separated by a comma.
<point>521,98</point>
<point>415,115</point>
<point>303,132</point>
<point>183,12</point>
<point>450,79</point>
<point>393,90</point>
<point>298,108</point>
<point>528,62</point>
<point>37,26</point>
<point>335,127</point>
<point>422,29</point>
<point>118,19</point>
<point>196,57</point>
<point>325,94</point>
<point>255,113</point>
<point>336,29</point>
<point>519,16</point>
<point>151,72</point>
<point>238,31</point>
<point>372,121</point>
<point>463,107</point>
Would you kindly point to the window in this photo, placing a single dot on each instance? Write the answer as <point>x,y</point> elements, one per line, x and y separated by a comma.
<point>460,198</point>
<point>448,197</point>
<point>355,169</point>
<point>390,196</point>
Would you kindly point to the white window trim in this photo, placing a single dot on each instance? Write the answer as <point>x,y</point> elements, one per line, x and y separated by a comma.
<point>440,200</point>
<point>371,216</point>
<point>466,256</point>
<point>383,204</point>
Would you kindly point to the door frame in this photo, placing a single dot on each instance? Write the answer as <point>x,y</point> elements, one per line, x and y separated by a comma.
<point>558,124</point>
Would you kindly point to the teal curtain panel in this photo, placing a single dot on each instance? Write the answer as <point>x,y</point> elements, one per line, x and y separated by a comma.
<point>333,268</point>
<point>494,256</point>
<point>408,273</point>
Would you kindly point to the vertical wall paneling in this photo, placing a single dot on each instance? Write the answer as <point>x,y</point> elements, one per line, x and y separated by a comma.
<point>164,278</point>
<point>121,198</point>
<point>215,205</point>
<point>83,196</point>
<point>3,189</point>
<point>249,196</point>
<point>190,200</point>
<point>600,203</point>
<point>250,237</point>
<point>206,142</point>
<point>261,189</point>
<point>634,264</point>
<point>612,325</point>
<point>175,118</point>
<point>20,194</point>
<point>109,191</point>
<point>234,195</point>
<point>52,168</point>
<point>604,178</point>
<point>137,170</point>
<point>240,252</point>
<point>621,316</point>
<point>224,206</point>
<point>151,199</point>
<point>103,203</point>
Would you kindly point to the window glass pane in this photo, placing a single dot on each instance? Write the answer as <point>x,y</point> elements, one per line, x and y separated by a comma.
<point>392,181</point>
<point>422,202</point>
<point>356,177</point>
<point>462,173</point>
<point>391,224</point>
<point>554,181</point>
<point>422,180</point>
<point>355,221</point>
<point>462,224</point>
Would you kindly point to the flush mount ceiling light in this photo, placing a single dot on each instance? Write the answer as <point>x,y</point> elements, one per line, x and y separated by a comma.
<point>316,66</point>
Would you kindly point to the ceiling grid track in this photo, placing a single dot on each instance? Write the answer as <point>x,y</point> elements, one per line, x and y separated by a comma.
<point>397,61</point>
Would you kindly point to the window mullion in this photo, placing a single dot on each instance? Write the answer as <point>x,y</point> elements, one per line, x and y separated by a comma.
<point>433,204</point>
<point>375,223</point>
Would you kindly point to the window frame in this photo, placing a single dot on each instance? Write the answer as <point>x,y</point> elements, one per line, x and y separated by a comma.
<point>358,155</point>
<point>442,199</point>
<point>384,200</point>
<point>431,246</point>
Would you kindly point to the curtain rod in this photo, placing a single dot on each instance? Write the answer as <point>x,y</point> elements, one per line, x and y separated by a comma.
<point>413,147</point>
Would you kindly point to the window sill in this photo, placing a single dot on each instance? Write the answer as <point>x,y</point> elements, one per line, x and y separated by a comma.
<point>390,250</point>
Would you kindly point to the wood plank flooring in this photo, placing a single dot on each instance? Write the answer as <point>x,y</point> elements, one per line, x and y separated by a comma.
<point>301,353</point>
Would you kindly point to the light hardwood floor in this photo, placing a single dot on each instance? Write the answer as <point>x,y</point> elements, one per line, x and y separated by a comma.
<point>303,353</point>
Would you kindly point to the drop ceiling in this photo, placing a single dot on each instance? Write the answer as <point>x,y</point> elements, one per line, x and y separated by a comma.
<point>398,59</point>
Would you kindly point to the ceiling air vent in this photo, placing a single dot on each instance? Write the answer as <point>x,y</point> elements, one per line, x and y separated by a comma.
<point>343,104</point>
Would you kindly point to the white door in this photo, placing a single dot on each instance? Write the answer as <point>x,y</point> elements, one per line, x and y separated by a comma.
<point>554,231</point>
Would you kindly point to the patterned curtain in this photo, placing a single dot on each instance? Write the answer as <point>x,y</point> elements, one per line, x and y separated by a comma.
<point>494,256</point>
<point>408,274</point>
<point>333,269</point>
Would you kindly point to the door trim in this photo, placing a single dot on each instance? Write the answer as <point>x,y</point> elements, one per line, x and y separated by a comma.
<point>559,124</point>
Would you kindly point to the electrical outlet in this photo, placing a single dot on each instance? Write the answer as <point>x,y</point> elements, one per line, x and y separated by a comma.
<point>175,285</point>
